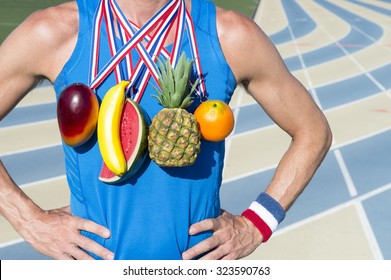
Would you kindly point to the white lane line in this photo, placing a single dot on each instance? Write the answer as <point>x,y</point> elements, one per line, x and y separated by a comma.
<point>370,235</point>
<point>11,243</point>
<point>345,173</point>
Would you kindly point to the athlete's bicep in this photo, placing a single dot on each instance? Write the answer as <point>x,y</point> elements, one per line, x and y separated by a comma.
<point>280,94</point>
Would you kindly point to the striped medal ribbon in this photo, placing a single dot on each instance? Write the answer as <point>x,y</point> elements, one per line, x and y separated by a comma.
<point>96,77</point>
<point>148,54</point>
<point>132,37</point>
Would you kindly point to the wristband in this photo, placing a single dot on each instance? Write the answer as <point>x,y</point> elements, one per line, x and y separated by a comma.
<point>266,214</point>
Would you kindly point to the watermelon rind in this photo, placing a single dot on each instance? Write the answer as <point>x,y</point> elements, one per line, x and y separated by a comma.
<point>138,156</point>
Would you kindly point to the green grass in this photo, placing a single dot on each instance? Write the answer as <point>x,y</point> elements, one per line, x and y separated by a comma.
<point>13,12</point>
<point>246,7</point>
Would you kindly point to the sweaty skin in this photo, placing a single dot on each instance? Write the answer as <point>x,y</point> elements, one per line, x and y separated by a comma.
<point>44,42</point>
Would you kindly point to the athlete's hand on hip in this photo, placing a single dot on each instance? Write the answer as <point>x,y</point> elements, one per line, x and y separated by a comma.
<point>56,233</point>
<point>234,237</point>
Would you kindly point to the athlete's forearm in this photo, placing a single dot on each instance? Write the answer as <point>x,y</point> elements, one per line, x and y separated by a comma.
<point>299,164</point>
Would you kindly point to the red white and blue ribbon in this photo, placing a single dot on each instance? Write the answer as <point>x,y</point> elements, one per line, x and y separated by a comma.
<point>175,54</point>
<point>132,37</point>
<point>110,30</point>
<point>97,79</point>
<point>194,49</point>
<point>146,65</point>
<point>94,59</point>
<point>266,214</point>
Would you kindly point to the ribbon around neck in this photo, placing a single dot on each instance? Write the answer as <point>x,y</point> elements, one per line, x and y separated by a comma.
<point>133,37</point>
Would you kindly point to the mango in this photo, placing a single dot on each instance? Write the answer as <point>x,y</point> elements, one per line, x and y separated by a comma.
<point>77,114</point>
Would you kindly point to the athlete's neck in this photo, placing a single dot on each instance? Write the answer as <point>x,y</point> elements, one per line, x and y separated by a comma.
<point>140,11</point>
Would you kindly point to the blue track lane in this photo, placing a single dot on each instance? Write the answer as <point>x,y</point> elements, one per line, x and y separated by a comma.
<point>30,114</point>
<point>375,8</point>
<point>36,165</point>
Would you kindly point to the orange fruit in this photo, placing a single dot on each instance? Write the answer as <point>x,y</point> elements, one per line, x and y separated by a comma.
<point>215,120</point>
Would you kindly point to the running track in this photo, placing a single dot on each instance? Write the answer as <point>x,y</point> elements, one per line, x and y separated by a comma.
<point>341,51</point>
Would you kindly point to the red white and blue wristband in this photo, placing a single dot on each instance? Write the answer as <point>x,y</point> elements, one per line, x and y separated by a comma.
<point>266,214</point>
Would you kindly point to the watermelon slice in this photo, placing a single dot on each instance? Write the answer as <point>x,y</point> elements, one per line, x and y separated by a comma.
<point>134,133</point>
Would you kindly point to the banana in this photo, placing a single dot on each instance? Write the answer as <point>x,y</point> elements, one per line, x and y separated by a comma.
<point>109,128</point>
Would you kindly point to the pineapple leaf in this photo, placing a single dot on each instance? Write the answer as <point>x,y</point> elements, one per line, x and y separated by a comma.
<point>188,69</point>
<point>160,97</point>
<point>176,100</point>
<point>164,89</point>
<point>161,69</point>
<point>180,67</point>
<point>187,102</point>
<point>193,88</point>
<point>170,81</point>
<point>174,83</point>
<point>182,86</point>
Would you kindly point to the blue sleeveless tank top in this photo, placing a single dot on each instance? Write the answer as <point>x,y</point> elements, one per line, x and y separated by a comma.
<point>149,215</point>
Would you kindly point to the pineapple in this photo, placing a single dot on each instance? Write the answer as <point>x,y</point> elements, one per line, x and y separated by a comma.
<point>174,137</point>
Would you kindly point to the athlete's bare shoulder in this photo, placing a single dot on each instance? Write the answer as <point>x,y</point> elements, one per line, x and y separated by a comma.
<point>242,41</point>
<point>232,22</point>
<point>45,39</point>
<point>54,22</point>
<point>54,11</point>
